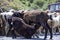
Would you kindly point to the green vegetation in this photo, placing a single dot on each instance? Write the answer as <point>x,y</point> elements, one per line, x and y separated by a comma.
<point>26,4</point>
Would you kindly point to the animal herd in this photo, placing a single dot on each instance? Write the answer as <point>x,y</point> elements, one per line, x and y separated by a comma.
<point>26,23</point>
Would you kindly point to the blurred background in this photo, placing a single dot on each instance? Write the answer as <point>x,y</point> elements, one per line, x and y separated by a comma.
<point>26,4</point>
